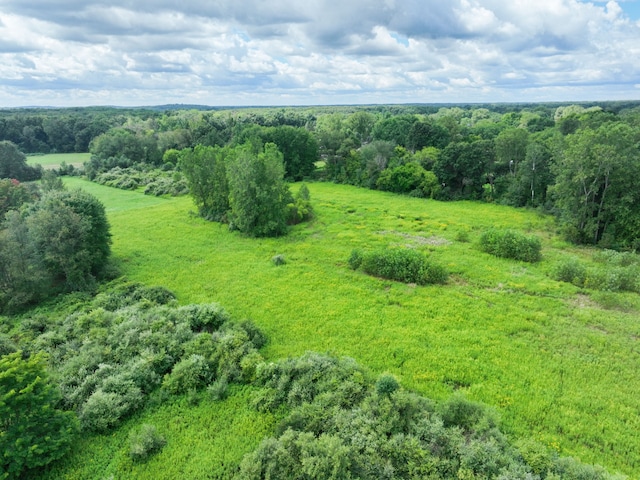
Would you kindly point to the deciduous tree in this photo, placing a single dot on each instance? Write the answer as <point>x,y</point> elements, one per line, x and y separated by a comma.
<point>33,431</point>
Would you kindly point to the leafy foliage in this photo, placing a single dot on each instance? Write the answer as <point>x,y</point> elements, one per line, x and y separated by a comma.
<point>301,209</point>
<point>33,430</point>
<point>511,244</point>
<point>62,242</point>
<point>13,194</point>
<point>409,178</point>
<point>13,164</point>
<point>613,272</point>
<point>205,169</point>
<point>403,265</point>
<point>144,442</point>
<point>594,190</point>
<point>258,196</point>
<point>109,356</point>
<point>339,425</point>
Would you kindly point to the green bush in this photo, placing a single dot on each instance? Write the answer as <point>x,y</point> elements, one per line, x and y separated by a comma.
<point>511,244</point>
<point>355,259</point>
<point>145,442</point>
<point>614,279</point>
<point>278,260</point>
<point>615,258</point>
<point>188,374</point>
<point>33,430</point>
<point>387,384</point>
<point>570,270</point>
<point>103,410</point>
<point>205,317</point>
<point>300,210</point>
<point>218,389</point>
<point>402,265</point>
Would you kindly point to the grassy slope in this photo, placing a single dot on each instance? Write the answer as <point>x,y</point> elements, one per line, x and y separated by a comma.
<point>556,364</point>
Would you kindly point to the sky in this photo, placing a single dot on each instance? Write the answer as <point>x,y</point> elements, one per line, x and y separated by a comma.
<point>316,52</point>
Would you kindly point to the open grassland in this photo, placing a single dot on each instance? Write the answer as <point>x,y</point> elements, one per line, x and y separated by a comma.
<point>560,364</point>
<point>54,160</point>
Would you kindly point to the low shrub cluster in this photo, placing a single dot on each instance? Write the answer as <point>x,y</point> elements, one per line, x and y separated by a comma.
<point>402,265</point>
<point>341,423</point>
<point>144,442</point>
<point>155,181</point>
<point>613,272</point>
<point>109,357</point>
<point>511,244</point>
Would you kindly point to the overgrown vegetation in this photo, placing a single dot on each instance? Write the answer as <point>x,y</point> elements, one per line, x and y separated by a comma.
<point>506,333</point>
<point>511,244</point>
<point>343,425</point>
<point>403,265</point>
<point>613,272</point>
<point>34,431</point>
<point>128,347</point>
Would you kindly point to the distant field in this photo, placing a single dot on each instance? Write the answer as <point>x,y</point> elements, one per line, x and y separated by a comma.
<point>556,363</point>
<point>54,160</point>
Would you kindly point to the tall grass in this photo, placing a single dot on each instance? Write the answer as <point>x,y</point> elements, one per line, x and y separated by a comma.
<point>558,367</point>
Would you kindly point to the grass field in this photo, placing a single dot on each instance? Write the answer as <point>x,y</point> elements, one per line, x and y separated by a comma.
<point>556,363</point>
<point>53,160</point>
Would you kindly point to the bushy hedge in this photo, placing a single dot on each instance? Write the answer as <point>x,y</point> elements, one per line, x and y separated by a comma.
<point>402,265</point>
<point>511,244</point>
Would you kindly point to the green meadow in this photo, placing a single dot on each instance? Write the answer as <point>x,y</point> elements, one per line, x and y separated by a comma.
<point>53,160</point>
<point>560,364</point>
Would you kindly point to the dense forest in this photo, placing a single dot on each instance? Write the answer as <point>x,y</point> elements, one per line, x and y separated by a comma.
<point>110,348</point>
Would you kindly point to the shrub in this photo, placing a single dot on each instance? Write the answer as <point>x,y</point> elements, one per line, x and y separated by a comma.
<point>511,244</point>
<point>570,271</point>
<point>218,389</point>
<point>206,317</point>
<point>102,410</point>
<point>33,430</point>
<point>403,265</point>
<point>386,385</point>
<point>355,259</point>
<point>278,260</point>
<point>300,209</point>
<point>188,374</point>
<point>145,442</point>
<point>613,279</point>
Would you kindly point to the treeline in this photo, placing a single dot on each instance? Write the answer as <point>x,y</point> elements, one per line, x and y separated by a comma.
<point>575,161</point>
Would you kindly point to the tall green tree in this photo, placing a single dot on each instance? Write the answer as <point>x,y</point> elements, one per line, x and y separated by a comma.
<point>596,191</point>
<point>462,167</point>
<point>33,431</point>
<point>299,149</point>
<point>13,163</point>
<point>205,169</point>
<point>258,195</point>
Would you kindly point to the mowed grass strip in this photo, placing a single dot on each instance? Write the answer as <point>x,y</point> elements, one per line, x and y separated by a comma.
<point>557,368</point>
<point>54,160</point>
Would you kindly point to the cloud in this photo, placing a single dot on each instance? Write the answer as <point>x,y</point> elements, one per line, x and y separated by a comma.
<point>285,51</point>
